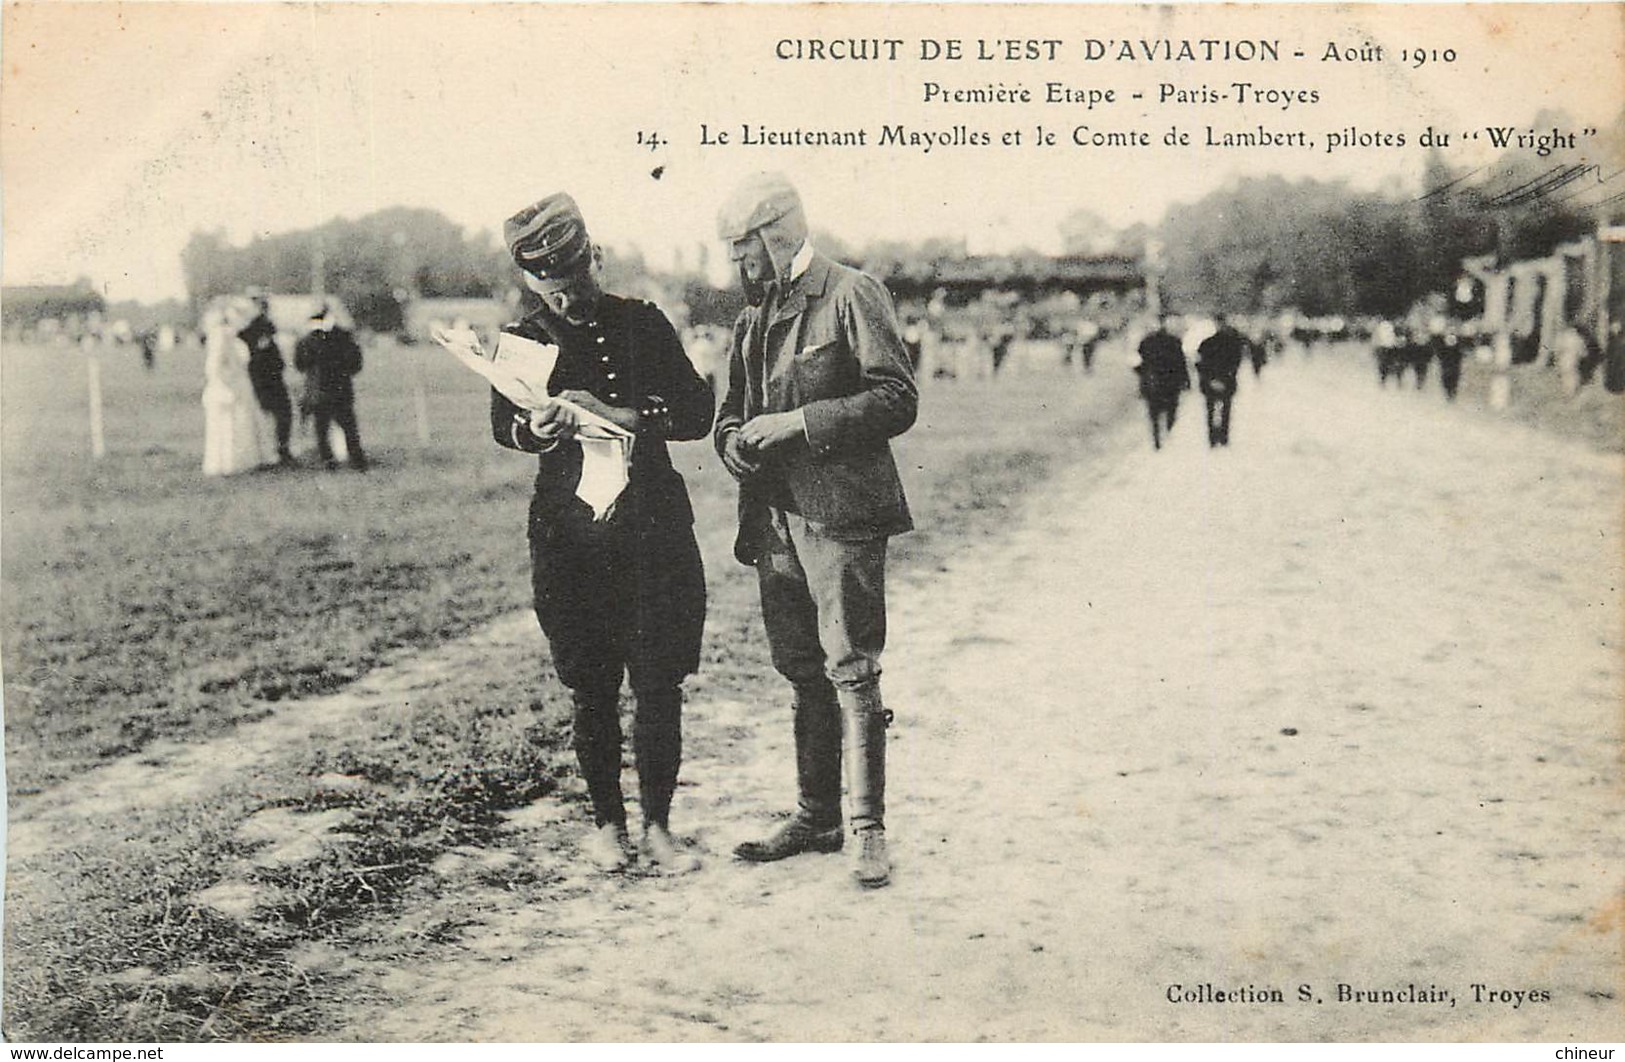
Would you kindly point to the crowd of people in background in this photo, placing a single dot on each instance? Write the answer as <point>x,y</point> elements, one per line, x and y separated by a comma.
<point>248,411</point>
<point>1221,350</point>
<point>962,334</point>
<point>1404,346</point>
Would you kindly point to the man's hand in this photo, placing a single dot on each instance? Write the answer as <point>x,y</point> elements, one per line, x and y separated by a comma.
<point>771,429</point>
<point>740,463</point>
<point>624,418</point>
<point>553,422</point>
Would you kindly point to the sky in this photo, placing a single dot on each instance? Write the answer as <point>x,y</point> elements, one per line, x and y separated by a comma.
<point>124,128</point>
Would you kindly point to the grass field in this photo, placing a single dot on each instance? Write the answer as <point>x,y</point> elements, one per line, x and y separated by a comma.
<point>143,601</point>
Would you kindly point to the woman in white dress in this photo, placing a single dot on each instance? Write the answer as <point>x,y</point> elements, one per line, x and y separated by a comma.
<point>233,438</point>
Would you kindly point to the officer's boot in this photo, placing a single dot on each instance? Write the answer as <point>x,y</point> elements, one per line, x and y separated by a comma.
<point>816,826</point>
<point>657,746</point>
<point>596,736</point>
<point>866,718</point>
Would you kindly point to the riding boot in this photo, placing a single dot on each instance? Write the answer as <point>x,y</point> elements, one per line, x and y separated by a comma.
<point>657,750</point>
<point>816,826</point>
<point>596,736</point>
<point>817,715</point>
<point>866,718</point>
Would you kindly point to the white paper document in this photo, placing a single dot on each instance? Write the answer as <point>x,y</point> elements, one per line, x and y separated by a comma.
<point>520,369</point>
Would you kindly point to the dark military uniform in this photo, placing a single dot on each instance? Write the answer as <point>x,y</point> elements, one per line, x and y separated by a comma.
<point>625,594</point>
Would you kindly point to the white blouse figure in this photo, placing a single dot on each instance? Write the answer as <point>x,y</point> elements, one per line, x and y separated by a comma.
<point>233,437</point>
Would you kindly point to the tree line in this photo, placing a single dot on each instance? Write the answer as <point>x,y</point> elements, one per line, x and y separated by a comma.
<point>375,264</point>
<point>1258,244</point>
<point>1263,244</point>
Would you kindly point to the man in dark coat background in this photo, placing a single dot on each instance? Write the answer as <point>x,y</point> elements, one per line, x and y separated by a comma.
<point>1163,376</point>
<point>622,595</point>
<point>265,367</point>
<point>330,358</point>
<point>1218,363</point>
<point>819,382</point>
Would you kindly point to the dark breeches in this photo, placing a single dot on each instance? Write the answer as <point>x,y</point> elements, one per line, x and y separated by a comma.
<point>620,600</point>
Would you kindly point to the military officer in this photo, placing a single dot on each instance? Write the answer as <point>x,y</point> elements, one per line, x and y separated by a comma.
<point>623,595</point>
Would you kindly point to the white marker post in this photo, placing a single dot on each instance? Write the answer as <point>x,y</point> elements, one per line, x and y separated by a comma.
<point>420,401</point>
<point>93,367</point>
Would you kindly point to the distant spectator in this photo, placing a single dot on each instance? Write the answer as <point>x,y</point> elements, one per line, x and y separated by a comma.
<point>1388,346</point>
<point>913,337</point>
<point>1163,375</point>
<point>265,366</point>
<point>330,358</point>
<point>1258,354</point>
<point>706,350</point>
<point>1570,353</point>
<point>231,441</point>
<point>1448,349</point>
<point>1081,344</point>
<point>1418,353</point>
<point>1218,363</point>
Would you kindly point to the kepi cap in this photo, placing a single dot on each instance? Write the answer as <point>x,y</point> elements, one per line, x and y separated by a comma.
<point>548,240</point>
<point>760,199</point>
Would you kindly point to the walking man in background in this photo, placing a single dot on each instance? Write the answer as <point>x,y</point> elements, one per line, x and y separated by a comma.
<point>330,358</point>
<point>1163,375</point>
<point>622,596</point>
<point>265,367</point>
<point>1448,351</point>
<point>819,381</point>
<point>1258,351</point>
<point>1218,363</point>
<point>1420,353</point>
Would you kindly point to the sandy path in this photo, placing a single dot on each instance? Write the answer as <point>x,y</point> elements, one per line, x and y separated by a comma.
<point>1340,704</point>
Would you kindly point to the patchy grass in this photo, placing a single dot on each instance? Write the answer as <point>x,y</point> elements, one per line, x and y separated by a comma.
<point>143,601</point>
<point>117,943</point>
<point>1592,414</point>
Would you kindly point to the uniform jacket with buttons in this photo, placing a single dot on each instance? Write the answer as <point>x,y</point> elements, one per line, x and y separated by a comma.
<point>629,356</point>
<point>830,347</point>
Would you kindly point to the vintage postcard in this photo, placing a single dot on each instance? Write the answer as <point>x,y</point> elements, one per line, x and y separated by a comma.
<point>1121,540</point>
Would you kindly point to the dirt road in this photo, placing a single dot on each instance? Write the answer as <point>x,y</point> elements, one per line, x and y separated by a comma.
<point>1336,706</point>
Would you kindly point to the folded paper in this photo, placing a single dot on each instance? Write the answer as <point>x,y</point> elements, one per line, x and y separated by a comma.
<point>519,370</point>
